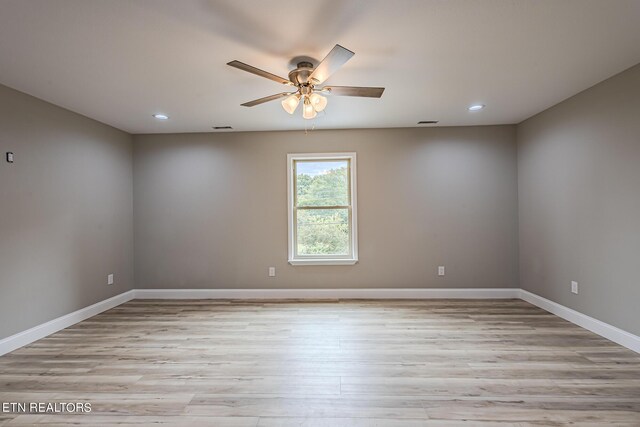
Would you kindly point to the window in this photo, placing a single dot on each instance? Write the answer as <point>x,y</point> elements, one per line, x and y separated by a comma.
<point>322,209</point>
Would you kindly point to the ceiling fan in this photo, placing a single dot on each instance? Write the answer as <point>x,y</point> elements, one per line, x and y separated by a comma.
<point>305,78</point>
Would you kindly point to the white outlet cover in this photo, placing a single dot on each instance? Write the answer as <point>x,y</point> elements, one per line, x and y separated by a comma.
<point>441,270</point>
<point>272,272</point>
<point>574,287</point>
<point>110,279</point>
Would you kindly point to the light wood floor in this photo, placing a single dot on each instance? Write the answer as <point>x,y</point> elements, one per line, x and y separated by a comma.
<point>347,363</point>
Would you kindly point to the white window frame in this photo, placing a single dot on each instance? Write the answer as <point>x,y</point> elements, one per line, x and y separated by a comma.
<point>349,259</point>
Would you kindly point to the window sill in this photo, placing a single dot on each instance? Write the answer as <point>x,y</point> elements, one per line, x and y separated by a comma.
<point>322,261</point>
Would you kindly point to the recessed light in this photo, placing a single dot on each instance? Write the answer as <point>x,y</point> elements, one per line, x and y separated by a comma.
<point>476,107</point>
<point>160,116</point>
<point>427,122</point>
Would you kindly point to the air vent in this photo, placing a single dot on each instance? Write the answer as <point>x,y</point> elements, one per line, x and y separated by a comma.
<point>427,122</point>
<point>222,128</point>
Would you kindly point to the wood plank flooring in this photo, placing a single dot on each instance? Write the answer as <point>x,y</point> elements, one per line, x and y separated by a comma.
<point>326,364</point>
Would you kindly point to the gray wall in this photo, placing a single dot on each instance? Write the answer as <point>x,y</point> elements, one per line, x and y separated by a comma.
<point>65,212</point>
<point>210,209</point>
<point>579,201</point>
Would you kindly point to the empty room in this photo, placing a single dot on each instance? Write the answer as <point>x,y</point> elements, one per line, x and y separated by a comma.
<point>341,213</point>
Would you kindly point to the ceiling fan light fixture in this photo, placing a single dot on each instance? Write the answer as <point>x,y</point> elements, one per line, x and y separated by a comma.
<point>318,101</point>
<point>308,112</point>
<point>305,77</point>
<point>290,103</point>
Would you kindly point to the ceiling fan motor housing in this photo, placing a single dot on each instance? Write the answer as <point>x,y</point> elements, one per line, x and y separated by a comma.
<point>300,76</point>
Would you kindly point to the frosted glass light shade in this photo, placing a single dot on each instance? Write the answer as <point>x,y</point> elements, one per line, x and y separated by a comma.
<point>290,103</point>
<point>319,102</point>
<point>308,112</point>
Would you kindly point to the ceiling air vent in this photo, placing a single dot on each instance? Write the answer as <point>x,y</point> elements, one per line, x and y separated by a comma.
<point>427,122</point>
<point>222,128</point>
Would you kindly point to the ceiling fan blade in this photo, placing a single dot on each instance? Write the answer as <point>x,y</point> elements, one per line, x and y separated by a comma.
<point>334,60</point>
<point>266,99</point>
<point>257,71</point>
<point>369,92</point>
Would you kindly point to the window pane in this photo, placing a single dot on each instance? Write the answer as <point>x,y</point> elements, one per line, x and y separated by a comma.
<point>323,231</point>
<point>322,183</point>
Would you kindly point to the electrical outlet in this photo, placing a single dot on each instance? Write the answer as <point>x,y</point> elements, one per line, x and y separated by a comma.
<point>272,272</point>
<point>574,287</point>
<point>9,157</point>
<point>441,270</point>
<point>110,279</point>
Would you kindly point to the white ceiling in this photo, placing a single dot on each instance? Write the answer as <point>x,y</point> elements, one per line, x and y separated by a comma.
<point>119,61</point>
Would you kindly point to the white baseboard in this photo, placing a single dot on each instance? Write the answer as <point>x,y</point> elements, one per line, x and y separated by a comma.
<point>37,332</point>
<point>605,330</point>
<point>373,293</point>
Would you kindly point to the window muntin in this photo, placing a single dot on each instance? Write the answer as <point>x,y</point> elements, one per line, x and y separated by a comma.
<point>322,209</point>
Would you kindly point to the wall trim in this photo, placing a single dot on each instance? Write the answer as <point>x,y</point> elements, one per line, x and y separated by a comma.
<point>23,338</point>
<point>596,326</point>
<point>371,293</point>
